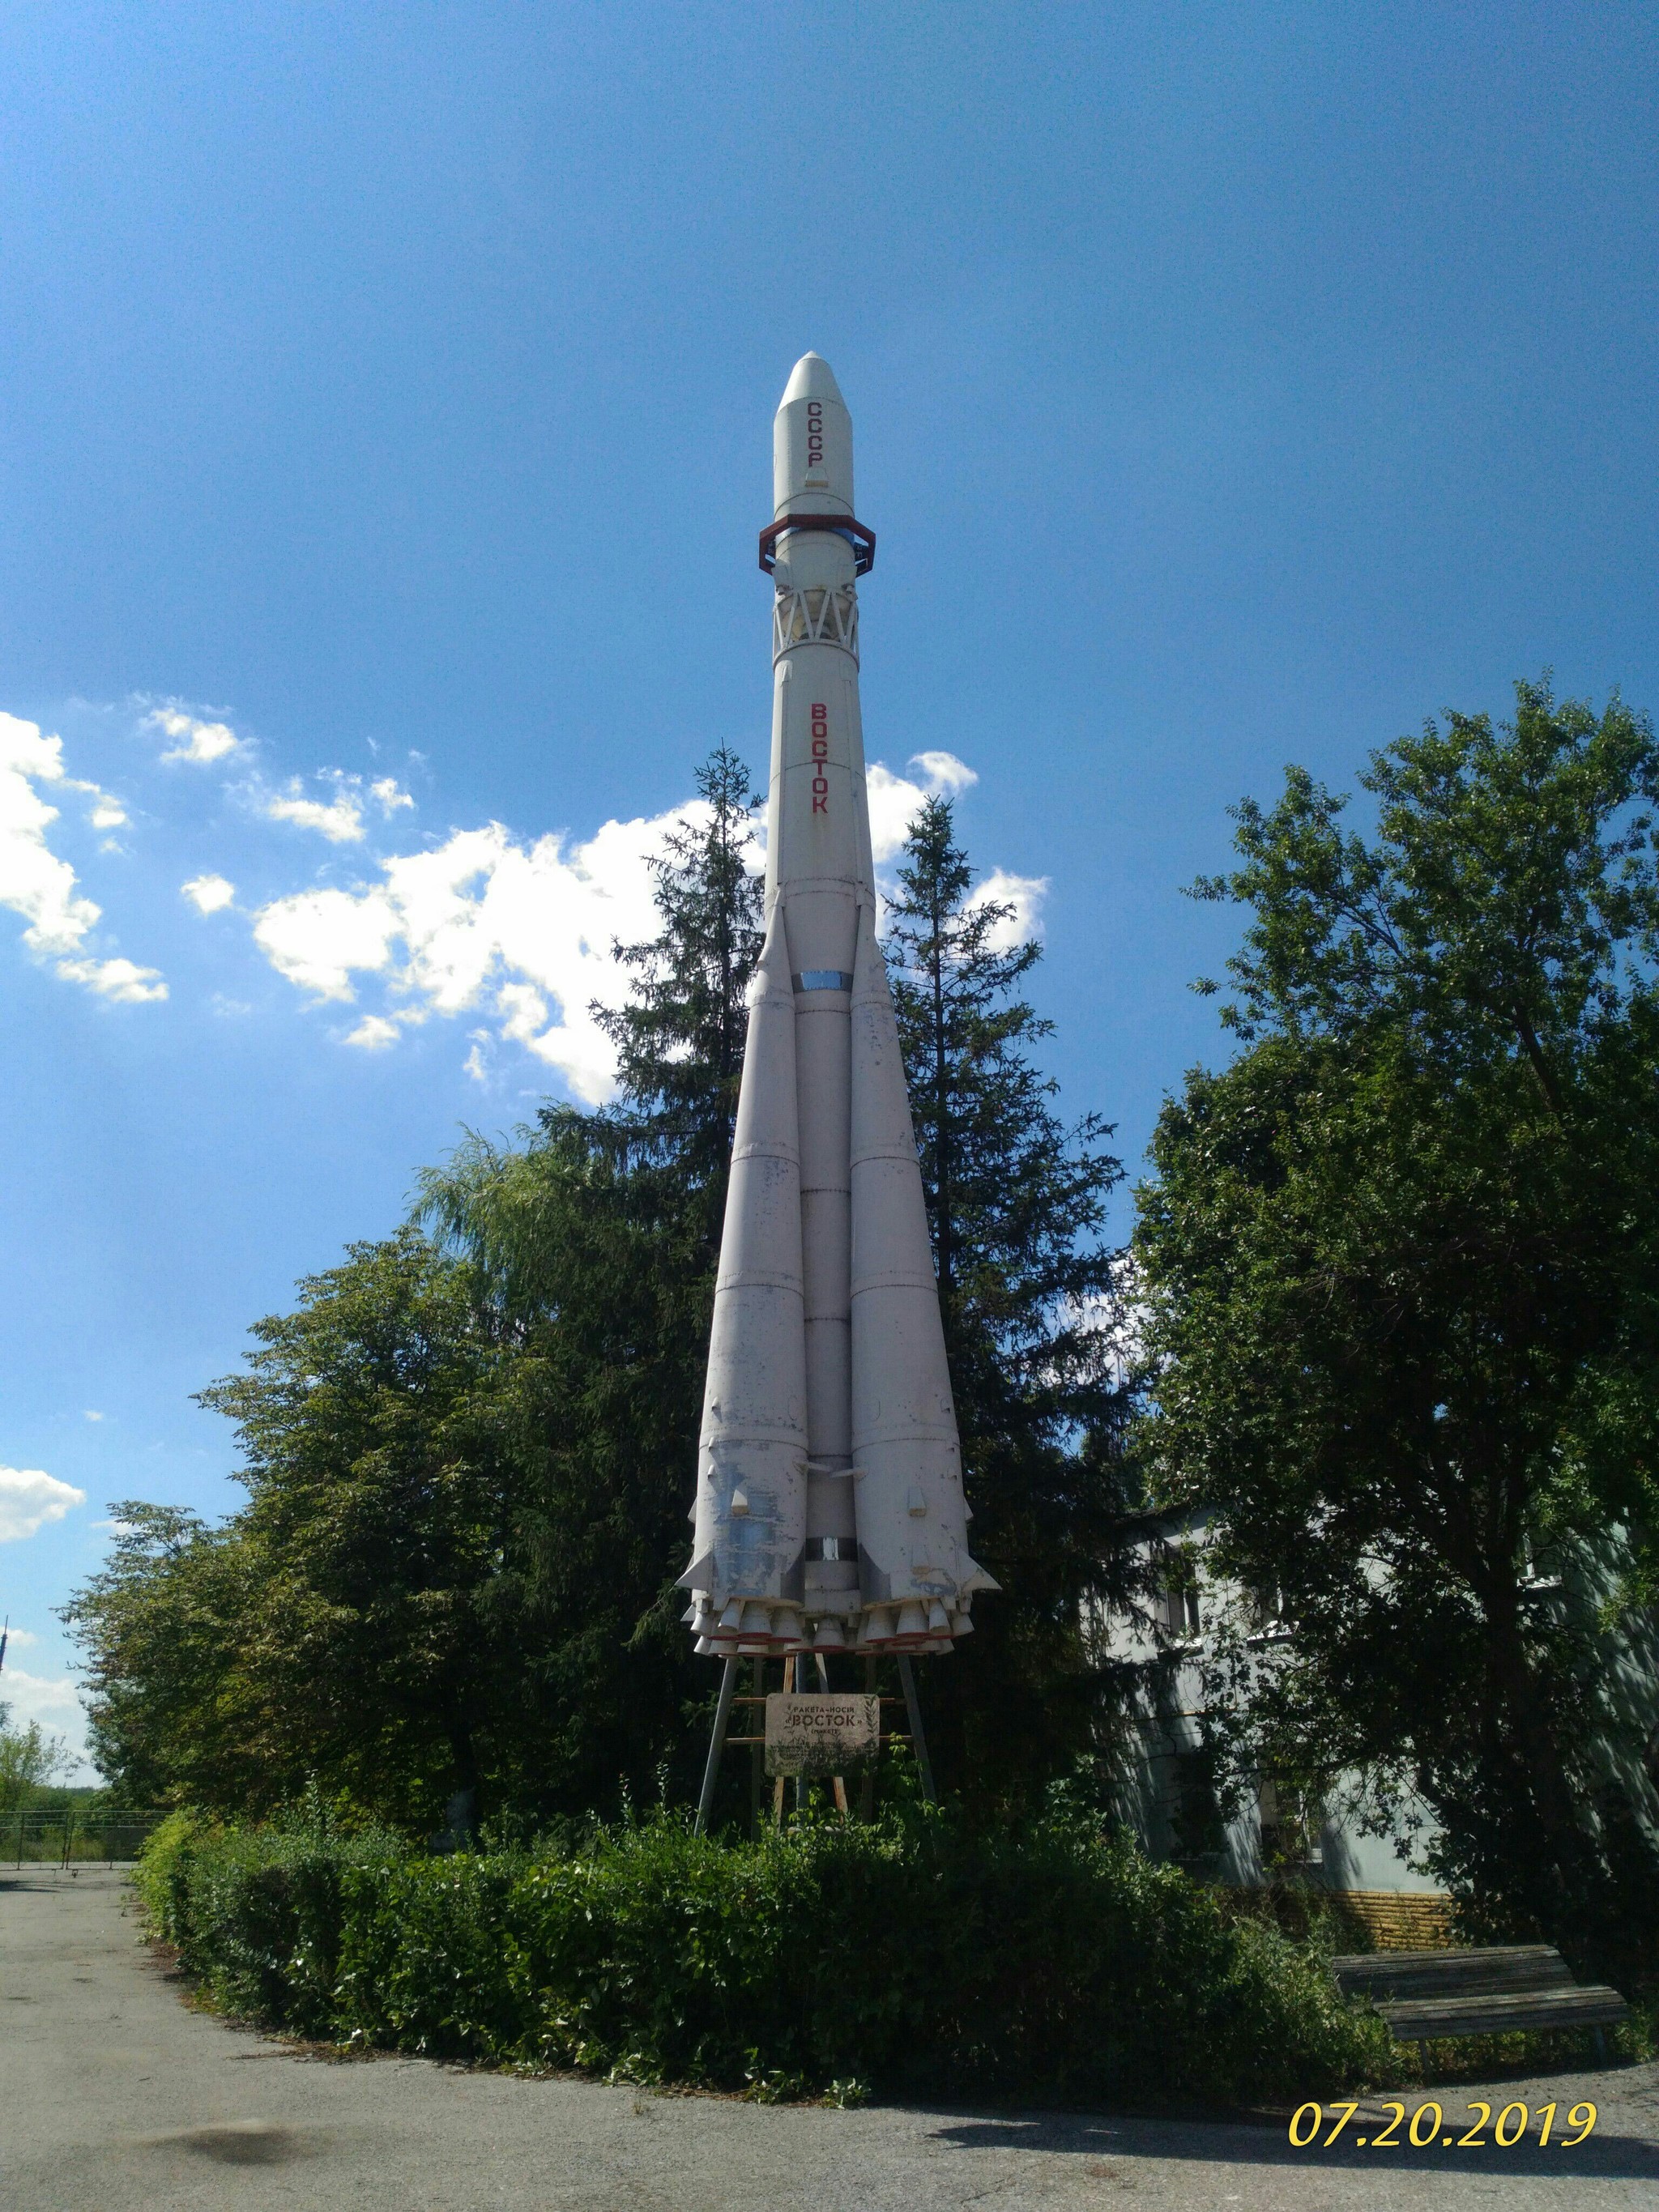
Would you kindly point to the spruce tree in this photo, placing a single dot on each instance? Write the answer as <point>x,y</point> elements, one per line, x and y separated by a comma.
<point>679,1038</point>
<point>595,1241</point>
<point>1016,1203</point>
<point>470,1466</point>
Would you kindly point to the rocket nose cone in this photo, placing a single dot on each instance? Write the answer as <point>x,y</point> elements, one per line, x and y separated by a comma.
<point>812,378</point>
<point>812,443</point>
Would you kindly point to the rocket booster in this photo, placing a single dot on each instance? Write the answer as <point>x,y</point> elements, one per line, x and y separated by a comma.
<point>830,1513</point>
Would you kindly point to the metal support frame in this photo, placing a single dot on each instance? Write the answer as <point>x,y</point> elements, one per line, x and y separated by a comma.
<point>723,1722</point>
<point>918,1740</point>
<point>756,1751</point>
<point>867,1784</point>
<point>717,1744</point>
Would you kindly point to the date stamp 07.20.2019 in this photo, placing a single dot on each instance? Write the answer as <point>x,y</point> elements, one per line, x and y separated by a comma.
<point>1427,2126</point>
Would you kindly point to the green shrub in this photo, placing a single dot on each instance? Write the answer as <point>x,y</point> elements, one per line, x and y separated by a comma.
<point>911,1958</point>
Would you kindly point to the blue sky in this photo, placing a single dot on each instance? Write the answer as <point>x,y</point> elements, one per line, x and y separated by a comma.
<point>384,404</point>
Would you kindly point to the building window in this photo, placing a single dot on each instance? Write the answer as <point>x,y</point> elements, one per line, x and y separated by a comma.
<point>1531,1577</point>
<point>1196,1828</point>
<point>1293,1821</point>
<point>1175,1594</point>
<point>1268,1616</point>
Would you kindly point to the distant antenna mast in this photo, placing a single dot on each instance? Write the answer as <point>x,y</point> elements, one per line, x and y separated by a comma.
<point>5,1631</point>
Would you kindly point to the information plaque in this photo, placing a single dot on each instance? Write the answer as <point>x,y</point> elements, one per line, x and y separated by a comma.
<point>825,1734</point>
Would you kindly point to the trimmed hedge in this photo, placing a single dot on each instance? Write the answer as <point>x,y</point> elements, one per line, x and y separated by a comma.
<point>908,1958</point>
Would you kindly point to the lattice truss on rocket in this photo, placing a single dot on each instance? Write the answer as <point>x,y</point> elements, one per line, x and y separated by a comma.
<point>830,1513</point>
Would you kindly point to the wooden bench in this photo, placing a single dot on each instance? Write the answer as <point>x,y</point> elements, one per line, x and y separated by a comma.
<point>1425,1994</point>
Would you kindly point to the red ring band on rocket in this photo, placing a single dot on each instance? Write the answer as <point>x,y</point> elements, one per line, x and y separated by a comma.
<point>858,536</point>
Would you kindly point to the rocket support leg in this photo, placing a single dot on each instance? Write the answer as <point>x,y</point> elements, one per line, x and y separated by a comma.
<point>918,1740</point>
<point>717,1744</point>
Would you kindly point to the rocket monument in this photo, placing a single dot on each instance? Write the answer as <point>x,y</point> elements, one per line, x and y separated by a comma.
<point>830,1513</point>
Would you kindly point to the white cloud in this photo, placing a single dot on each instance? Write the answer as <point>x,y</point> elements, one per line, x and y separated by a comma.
<point>31,1696</point>
<point>119,980</point>
<point>29,1498</point>
<point>91,1416</point>
<point>201,743</point>
<point>944,772</point>
<point>484,919</point>
<point>1023,896</point>
<point>318,938</point>
<point>895,799</point>
<point>33,881</point>
<point>106,811</point>
<point>524,1012</point>
<point>20,1639</point>
<point>340,820</point>
<point>208,893</point>
<point>36,883</point>
<point>373,1033</point>
<point>526,930</point>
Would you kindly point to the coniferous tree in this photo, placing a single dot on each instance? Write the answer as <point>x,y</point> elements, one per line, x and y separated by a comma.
<point>470,1451</point>
<point>597,1242</point>
<point>1017,1206</point>
<point>680,1037</point>
<point>469,1455</point>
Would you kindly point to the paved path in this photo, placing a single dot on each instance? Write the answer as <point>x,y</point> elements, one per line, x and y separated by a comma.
<point>114,2096</point>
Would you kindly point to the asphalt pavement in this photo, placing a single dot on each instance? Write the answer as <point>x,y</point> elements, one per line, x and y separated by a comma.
<point>114,2094</point>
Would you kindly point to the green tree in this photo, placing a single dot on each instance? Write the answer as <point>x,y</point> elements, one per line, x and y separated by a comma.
<point>595,1241</point>
<point>1017,1205</point>
<point>470,1451</point>
<point>358,1623</point>
<point>680,1037</point>
<point>468,1461</point>
<point>160,1626</point>
<point>387,1593</point>
<point>31,1760</point>
<point>1401,1271</point>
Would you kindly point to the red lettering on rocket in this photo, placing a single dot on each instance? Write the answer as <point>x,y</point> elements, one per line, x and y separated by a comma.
<point>820,757</point>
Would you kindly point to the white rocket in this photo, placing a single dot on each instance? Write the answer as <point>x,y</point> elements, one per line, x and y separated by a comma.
<point>829,1511</point>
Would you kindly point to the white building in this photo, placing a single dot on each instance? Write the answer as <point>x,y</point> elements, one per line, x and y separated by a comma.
<point>1167,1789</point>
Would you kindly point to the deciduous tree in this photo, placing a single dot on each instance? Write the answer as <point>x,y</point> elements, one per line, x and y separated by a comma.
<point>30,1760</point>
<point>1401,1266</point>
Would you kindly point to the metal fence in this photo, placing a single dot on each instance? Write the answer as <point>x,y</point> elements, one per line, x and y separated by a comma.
<point>76,1835</point>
